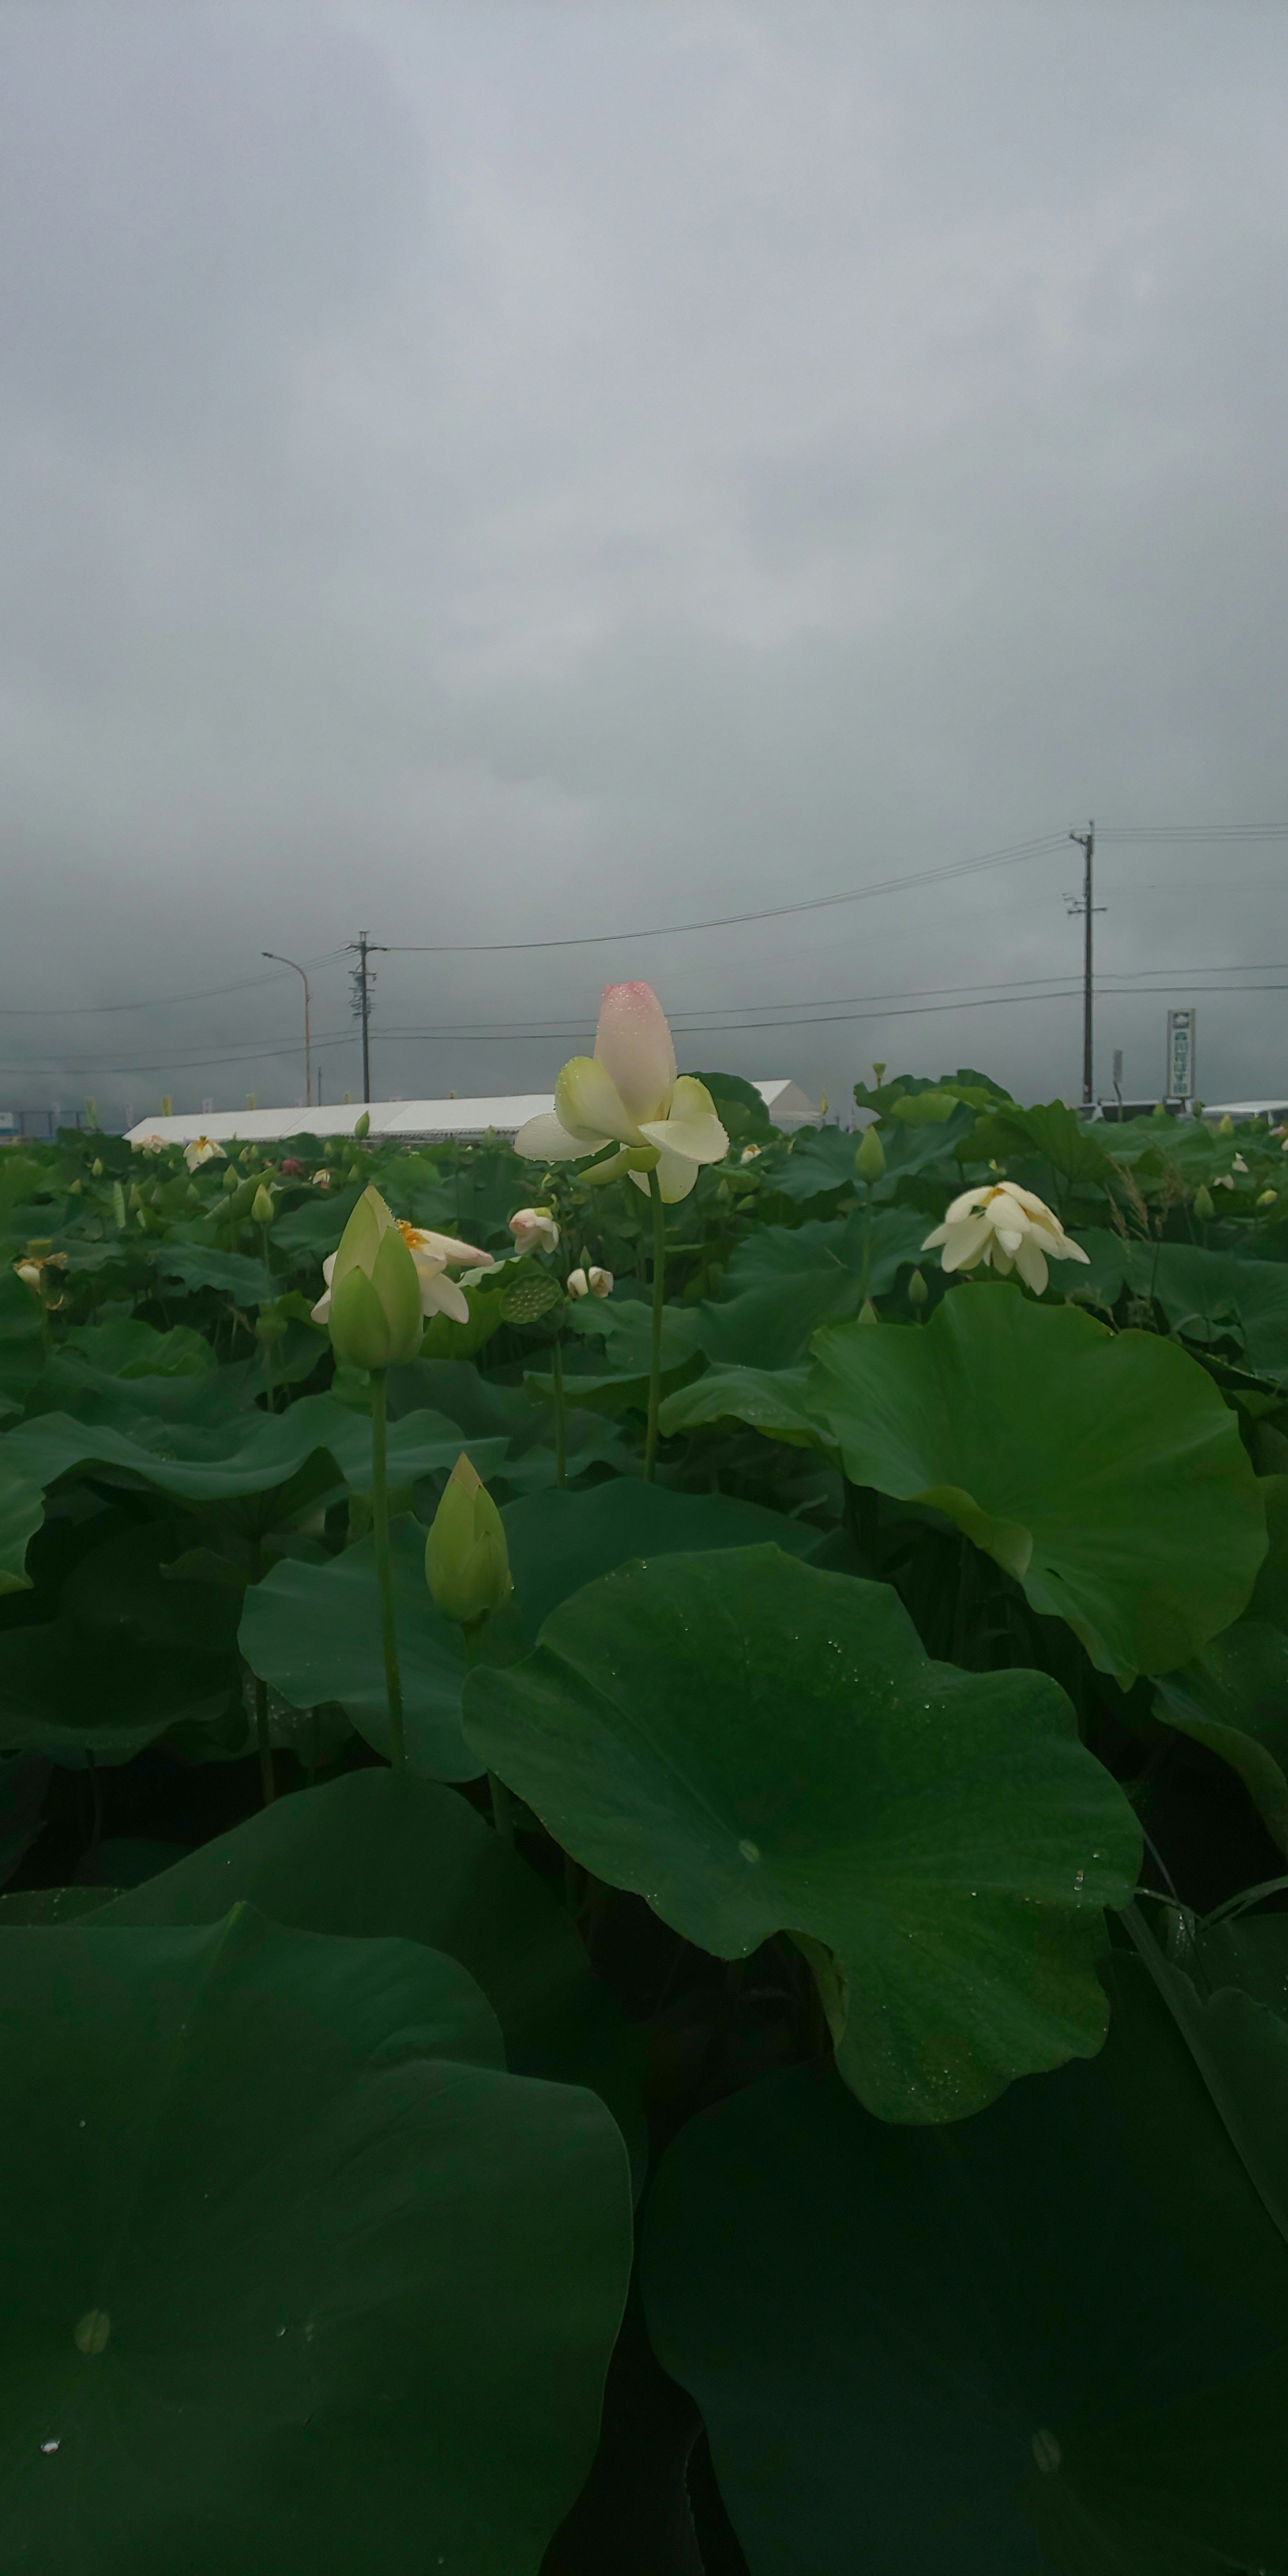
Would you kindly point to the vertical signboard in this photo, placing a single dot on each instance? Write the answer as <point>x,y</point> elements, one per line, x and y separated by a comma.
<point>1180,1055</point>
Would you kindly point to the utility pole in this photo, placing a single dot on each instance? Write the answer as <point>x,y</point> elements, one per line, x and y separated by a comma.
<point>363,979</point>
<point>308,1043</point>
<point>1085,905</point>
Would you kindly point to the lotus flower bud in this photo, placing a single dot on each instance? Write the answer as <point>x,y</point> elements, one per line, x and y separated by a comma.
<point>96,1168</point>
<point>917,1290</point>
<point>868,1313</point>
<point>590,1283</point>
<point>373,1308</point>
<point>362,1128</point>
<point>467,1564</point>
<point>1266,1198</point>
<point>230,1181</point>
<point>870,1161</point>
<point>261,1206</point>
<point>534,1230</point>
<point>1225,1126</point>
<point>1203,1208</point>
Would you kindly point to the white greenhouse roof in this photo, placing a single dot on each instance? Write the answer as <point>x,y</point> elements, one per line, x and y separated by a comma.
<point>420,1121</point>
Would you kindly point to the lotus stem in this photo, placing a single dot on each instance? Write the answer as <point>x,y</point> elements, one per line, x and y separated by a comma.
<point>659,1300</point>
<point>561,1460</point>
<point>384,1567</point>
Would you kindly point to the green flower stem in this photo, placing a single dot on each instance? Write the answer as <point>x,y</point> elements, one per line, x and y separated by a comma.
<point>561,1445</point>
<point>659,1300</point>
<point>502,1802</point>
<point>263,1745</point>
<point>384,1567</point>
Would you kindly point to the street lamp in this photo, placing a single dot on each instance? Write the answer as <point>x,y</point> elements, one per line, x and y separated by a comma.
<point>308,1049</point>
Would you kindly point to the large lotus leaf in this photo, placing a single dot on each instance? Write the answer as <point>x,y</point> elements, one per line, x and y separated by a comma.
<point>1050,1131</point>
<point>560,1541</point>
<point>252,1454</point>
<point>769,1327</point>
<point>758,1747</point>
<point>130,1655</point>
<point>304,2281</point>
<point>1234,1698</point>
<point>22,1509</point>
<point>1270,1591</point>
<point>768,1400</point>
<point>1227,1992</point>
<point>1102,1470</point>
<point>313,1632</point>
<point>1050,2341</point>
<point>1215,1296</point>
<point>126,1347</point>
<point>200,1265</point>
<point>372,1855</point>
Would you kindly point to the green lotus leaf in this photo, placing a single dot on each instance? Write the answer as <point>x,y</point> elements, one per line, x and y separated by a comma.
<point>1102,1470</point>
<point>304,2279</point>
<point>768,1400</point>
<point>253,1453</point>
<point>22,1509</point>
<point>1050,2341</point>
<point>375,1856</point>
<point>1234,1698</point>
<point>756,1747</point>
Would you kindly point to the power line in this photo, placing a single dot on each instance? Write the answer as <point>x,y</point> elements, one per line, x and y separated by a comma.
<point>732,920</point>
<point>153,1002</point>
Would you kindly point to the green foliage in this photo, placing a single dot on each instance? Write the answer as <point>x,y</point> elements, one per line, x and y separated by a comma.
<point>1102,1471</point>
<point>797,1793</point>
<point>375,2358</point>
<point>759,1747</point>
<point>1051,2337</point>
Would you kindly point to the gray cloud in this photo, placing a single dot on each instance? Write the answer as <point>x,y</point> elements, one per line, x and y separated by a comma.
<point>488,472</point>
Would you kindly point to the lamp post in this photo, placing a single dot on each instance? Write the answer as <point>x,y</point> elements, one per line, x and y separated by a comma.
<point>308,1047</point>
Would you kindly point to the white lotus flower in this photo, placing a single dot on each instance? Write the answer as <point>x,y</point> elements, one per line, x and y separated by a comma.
<point>590,1283</point>
<point>149,1144</point>
<point>1008,1227</point>
<point>203,1149</point>
<point>321,1180</point>
<point>628,1094</point>
<point>431,1253</point>
<point>534,1230</point>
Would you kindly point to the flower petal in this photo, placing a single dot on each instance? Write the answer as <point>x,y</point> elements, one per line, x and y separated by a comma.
<point>588,1104</point>
<point>964,1242</point>
<point>1030,1262</point>
<point>691,1127</point>
<point>676,1176</point>
<point>440,1295</point>
<point>544,1140</point>
<point>441,1247</point>
<point>633,1044</point>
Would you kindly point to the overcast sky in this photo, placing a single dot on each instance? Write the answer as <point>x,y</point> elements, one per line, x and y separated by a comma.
<point>492,472</point>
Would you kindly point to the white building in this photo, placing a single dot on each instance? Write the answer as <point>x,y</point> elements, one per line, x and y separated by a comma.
<point>418,1121</point>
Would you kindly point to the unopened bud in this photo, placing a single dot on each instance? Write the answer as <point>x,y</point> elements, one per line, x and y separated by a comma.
<point>1225,1126</point>
<point>96,1168</point>
<point>230,1181</point>
<point>868,1313</point>
<point>372,1306</point>
<point>590,1283</point>
<point>362,1127</point>
<point>870,1161</point>
<point>1203,1208</point>
<point>1267,1198</point>
<point>917,1290</point>
<point>467,1564</point>
<point>261,1206</point>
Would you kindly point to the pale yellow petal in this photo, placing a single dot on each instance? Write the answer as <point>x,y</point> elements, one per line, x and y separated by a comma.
<point>544,1140</point>
<point>588,1104</point>
<point>633,1044</point>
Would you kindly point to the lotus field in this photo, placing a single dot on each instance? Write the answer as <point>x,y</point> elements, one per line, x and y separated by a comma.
<point>644,1803</point>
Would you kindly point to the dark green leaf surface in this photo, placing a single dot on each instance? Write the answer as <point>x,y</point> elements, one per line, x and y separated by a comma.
<point>1050,2341</point>
<point>22,1509</point>
<point>313,1631</point>
<point>252,1454</point>
<point>374,1856</point>
<point>1234,1698</point>
<point>291,2291</point>
<point>559,1541</point>
<point>756,1746</point>
<point>768,1400</point>
<point>1103,1470</point>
